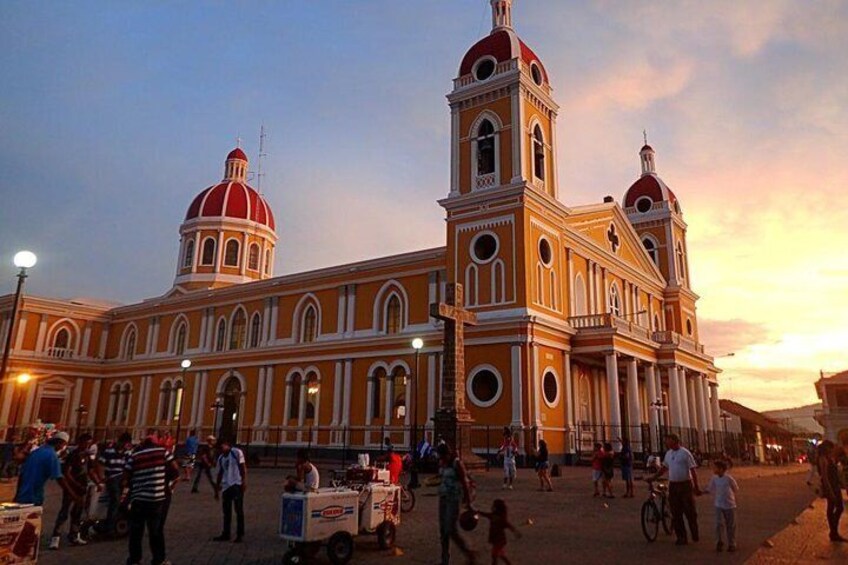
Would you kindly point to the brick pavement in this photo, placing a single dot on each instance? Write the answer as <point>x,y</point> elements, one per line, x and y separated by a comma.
<point>567,525</point>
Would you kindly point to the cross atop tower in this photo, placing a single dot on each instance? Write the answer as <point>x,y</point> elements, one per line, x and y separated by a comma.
<point>501,14</point>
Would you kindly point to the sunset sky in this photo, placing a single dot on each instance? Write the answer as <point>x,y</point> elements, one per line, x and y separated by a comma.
<point>114,115</point>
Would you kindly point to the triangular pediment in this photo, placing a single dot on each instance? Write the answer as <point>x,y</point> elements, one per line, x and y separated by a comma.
<point>608,228</point>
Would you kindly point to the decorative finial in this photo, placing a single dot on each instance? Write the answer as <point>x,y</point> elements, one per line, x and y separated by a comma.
<point>645,136</point>
<point>501,14</point>
<point>238,141</point>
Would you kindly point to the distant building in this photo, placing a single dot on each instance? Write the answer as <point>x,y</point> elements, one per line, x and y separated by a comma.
<point>753,433</point>
<point>833,416</point>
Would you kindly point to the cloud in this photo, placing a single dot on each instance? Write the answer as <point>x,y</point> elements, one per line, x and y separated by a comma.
<point>731,336</point>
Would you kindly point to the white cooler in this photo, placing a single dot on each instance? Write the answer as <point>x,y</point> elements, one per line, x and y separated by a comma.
<point>315,516</point>
<point>382,504</point>
<point>20,530</point>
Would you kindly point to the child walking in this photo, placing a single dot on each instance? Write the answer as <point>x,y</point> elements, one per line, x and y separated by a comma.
<point>498,525</point>
<point>608,467</point>
<point>509,451</point>
<point>724,487</point>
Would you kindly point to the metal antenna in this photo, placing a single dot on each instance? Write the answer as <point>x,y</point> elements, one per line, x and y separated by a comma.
<point>259,173</point>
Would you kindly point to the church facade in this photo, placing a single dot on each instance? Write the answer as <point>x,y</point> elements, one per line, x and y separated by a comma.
<point>587,325</point>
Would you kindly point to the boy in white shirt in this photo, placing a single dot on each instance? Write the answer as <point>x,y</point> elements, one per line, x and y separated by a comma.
<point>724,488</point>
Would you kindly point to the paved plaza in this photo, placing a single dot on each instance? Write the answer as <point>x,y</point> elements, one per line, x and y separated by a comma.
<point>563,526</point>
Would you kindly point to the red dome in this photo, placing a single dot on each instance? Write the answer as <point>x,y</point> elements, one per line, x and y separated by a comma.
<point>503,45</point>
<point>231,199</point>
<point>649,185</point>
<point>237,153</point>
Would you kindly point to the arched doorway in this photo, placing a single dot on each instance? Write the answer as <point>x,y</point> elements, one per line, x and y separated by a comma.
<point>231,400</point>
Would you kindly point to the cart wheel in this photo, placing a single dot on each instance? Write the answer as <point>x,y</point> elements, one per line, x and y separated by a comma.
<point>407,500</point>
<point>293,557</point>
<point>386,535</point>
<point>340,548</point>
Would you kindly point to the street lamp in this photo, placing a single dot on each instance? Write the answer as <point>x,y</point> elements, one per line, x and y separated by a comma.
<point>23,260</point>
<point>185,364</point>
<point>81,411</point>
<point>22,379</point>
<point>217,406</point>
<point>417,344</point>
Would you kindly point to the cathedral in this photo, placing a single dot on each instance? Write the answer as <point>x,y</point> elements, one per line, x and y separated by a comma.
<point>586,319</point>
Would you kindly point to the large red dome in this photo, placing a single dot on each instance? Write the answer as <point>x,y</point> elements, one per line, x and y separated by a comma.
<point>231,199</point>
<point>503,45</point>
<point>649,185</point>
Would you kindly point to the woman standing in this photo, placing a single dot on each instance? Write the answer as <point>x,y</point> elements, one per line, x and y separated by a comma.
<point>543,467</point>
<point>831,489</point>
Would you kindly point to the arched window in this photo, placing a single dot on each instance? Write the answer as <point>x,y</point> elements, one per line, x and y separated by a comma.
<point>399,393</point>
<point>188,256</point>
<point>614,300</point>
<point>255,329</point>
<point>253,258</point>
<point>538,153</point>
<point>208,257</point>
<point>378,393</point>
<point>681,262</point>
<point>220,335</point>
<point>129,346</point>
<point>498,282</point>
<point>114,404</point>
<point>164,402</point>
<point>294,397</point>
<point>485,148</point>
<point>553,290</point>
<point>310,325</point>
<point>231,253</point>
<point>651,248</point>
<point>471,285</point>
<point>238,330</point>
<point>312,388</point>
<point>62,339</point>
<point>180,339</point>
<point>124,412</point>
<point>579,295</point>
<point>267,261</point>
<point>393,315</point>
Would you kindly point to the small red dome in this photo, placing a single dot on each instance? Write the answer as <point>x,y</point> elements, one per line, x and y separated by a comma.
<point>237,153</point>
<point>503,45</point>
<point>649,185</point>
<point>231,199</point>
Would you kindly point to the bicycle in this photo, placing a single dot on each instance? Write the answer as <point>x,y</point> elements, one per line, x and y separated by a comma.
<point>655,511</point>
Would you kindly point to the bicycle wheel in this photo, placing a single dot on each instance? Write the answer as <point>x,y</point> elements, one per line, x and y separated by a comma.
<point>650,520</point>
<point>407,500</point>
<point>665,516</point>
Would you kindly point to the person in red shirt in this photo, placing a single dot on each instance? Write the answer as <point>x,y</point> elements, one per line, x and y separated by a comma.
<point>394,464</point>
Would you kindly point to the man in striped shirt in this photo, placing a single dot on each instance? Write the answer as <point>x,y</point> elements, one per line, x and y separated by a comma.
<point>112,461</point>
<point>145,472</point>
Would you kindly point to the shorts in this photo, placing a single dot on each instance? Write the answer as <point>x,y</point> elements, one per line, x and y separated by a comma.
<point>509,470</point>
<point>597,475</point>
<point>627,473</point>
<point>543,465</point>
<point>498,550</point>
<point>608,474</point>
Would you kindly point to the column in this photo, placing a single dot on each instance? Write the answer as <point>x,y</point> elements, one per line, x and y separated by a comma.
<point>351,310</point>
<point>536,380</point>
<point>340,316</point>
<point>570,274</point>
<point>86,341</point>
<point>431,389</point>
<point>266,322</point>
<point>260,397</point>
<point>634,408</point>
<point>272,330</point>
<point>612,387</point>
<point>701,409</point>
<point>348,369</point>
<point>693,402</point>
<point>590,283</point>
<point>714,406</point>
<point>42,334</point>
<point>517,419</point>
<point>684,397</point>
<point>705,388</point>
<point>21,327</point>
<point>269,395</point>
<point>93,401</point>
<point>337,393</point>
<point>653,409</point>
<point>570,405</point>
<point>676,412</point>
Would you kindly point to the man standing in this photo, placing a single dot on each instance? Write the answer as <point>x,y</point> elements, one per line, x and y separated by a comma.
<point>454,488</point>
<point>204,461</point>
<point>232,483</point>
<point>145,473</point>
<point>682,488</point>
<point>77,471</point>
<point>831,488</point>
<point>40,466</point>
<point>112,460</point>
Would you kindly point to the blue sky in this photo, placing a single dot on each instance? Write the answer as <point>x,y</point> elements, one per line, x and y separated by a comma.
<point>114,115</point>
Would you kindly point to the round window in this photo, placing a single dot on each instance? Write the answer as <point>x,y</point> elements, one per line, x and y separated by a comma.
<point>484,247</point>
<point>484,69</point>
<point>545,253</point>
<point>536,73</point>
<point>644,204</point>
<point>484,387</point>
<point>550,388</point>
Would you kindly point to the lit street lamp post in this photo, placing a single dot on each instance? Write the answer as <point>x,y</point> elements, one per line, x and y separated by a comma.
<point>23,260</point>
<point>22,379</point>
<point>417,344</point>
<point>185,364</point>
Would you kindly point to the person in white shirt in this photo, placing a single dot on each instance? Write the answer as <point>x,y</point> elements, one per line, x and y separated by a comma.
<point>724,487</point>
<point>307,478</point>
<point>682,488</point>
<point>232,484</point>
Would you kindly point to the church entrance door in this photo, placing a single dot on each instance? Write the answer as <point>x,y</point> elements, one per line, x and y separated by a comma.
<point>231,399</point>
